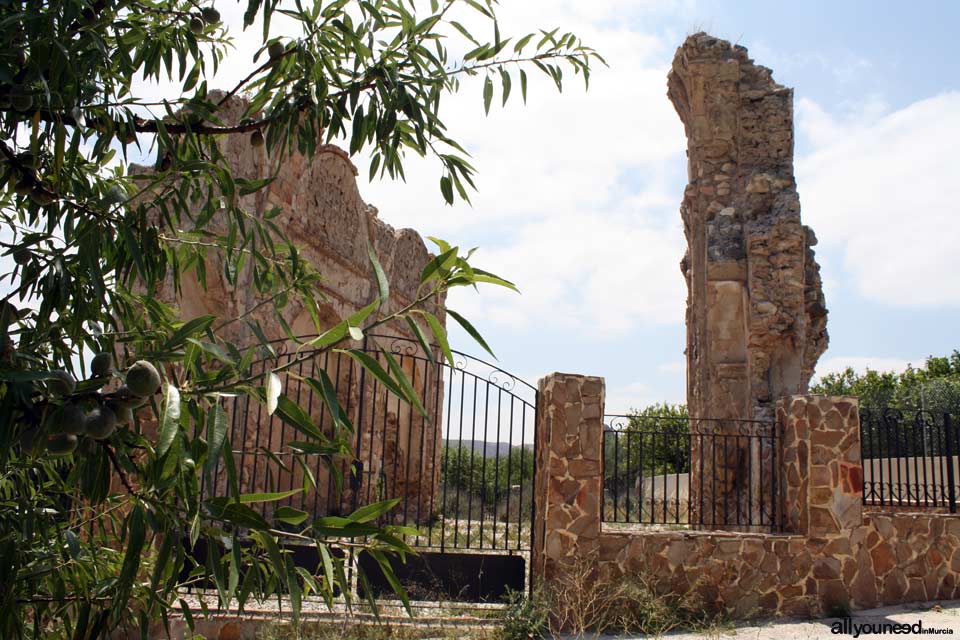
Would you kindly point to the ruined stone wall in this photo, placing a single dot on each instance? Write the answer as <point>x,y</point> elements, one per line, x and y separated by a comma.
<point>830,553</point>
<point>756,320</point>
<point>322,212</point>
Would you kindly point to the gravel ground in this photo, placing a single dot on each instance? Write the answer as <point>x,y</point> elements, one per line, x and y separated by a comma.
<point>944,616</point>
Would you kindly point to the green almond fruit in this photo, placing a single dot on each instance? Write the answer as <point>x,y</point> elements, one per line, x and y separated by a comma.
<point>101,422</point>
<point>101,365</point>
<point>143,379</point>
<point>275,50</point>
<point>210,15</point>
<point>256,139</point>
<point>22,256</point>
<point>73,419</point>
<point>196,26</point>
<point>62,383</point>
<point>62,444</point>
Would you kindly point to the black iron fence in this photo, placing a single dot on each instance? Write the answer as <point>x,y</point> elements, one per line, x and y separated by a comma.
<point>463,473</point>
<point>690,472</point>
<point>910,460</point>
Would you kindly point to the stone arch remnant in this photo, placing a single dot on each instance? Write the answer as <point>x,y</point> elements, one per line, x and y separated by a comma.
<point>756,318</point>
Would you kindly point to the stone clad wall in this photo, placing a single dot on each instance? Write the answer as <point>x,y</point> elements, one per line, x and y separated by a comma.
<point>829,554</point>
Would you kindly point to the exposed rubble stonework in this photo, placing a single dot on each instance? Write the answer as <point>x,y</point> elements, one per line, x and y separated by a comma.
<point>831,554</point>
<point>323,214</point>
<point>756,319</point>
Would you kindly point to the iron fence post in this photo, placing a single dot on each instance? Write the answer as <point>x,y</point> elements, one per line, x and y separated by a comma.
<point>948,441</point>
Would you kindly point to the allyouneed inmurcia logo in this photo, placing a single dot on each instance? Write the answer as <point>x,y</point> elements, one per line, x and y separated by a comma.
<point>848,627</point>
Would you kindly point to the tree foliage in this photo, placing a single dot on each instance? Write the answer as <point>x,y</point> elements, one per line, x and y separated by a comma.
<point>933,387</point>
<point>647,442</point>
<point>90,538</point>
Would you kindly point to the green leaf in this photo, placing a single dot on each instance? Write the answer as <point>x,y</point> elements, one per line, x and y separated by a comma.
<point>328,395</point>
<point>505,82</point>
<point>274,387</point>
<point>487,94</point>
<point>523,85</point>
<point>391,577</point>
<point>370,364</point>
<point>372,511</point>
<point>238,514</point>
<point>440,335</point>
<point>408,391</point>
<point>273,551</point>
<point>291,413</point>
<point>250,498</point>
<point>170,420</point>
<point>446,188</point>
<point>216,435</point>
<point>382,284</point>
<point>421,337</point>
<point>438,265</point>
<point>290,515</point>
<point>188,329</point>
<point>471,330</point>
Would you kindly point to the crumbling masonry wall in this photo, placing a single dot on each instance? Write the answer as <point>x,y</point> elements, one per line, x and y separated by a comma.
<point>756,319</point>
<point>322,212</point>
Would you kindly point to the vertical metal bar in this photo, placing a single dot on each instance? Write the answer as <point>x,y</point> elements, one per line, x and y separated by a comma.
<point>510,473</point>
<point>496,475</point>
<point>361,401</point>
<point>950,450</point>
<point>616,475</point>
<point>676,476</point>
<point>421,461</point>
<point>761,481</point>
<point>446,456</point>
<point>865,436</point>
<point>626,480</point>
<point>532,516</point>
<point>483,466</point>
<point>666,434</point>
<point>437,435</point>
<point>345,468</point>
<point>774,473</point>
<point>750,440</point>
<point>653,474</point>
<point>473,443</point>
<point>523,451</point>
<point>700,516</point>
<point>944,499</point>
<point>456,527</point>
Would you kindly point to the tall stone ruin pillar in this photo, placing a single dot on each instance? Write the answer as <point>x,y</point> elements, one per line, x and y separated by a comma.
<point>756,319</point>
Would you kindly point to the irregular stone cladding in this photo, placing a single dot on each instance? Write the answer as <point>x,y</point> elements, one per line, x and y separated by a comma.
<point>569,439</point>
<point>830,553</point>
<point>323,214</point>
<point>756,317</point>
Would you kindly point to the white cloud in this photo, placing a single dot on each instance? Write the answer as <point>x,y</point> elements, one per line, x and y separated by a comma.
<point>577,202</point>
<point>882,192</point>
<point>636,395</point>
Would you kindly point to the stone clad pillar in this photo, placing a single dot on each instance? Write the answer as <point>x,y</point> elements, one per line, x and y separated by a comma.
<point>568,473</point>
<point>822,469</point>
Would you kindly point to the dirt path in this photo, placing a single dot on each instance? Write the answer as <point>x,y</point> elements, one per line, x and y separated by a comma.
<point>943,616</point>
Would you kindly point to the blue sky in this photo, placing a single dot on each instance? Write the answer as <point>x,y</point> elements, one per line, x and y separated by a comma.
<point>580,192</point>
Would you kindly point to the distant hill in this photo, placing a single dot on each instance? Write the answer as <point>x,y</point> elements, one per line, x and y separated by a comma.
<point>489,449</point>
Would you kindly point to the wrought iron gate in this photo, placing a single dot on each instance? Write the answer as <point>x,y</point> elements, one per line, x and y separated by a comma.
<point>463,473</point>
